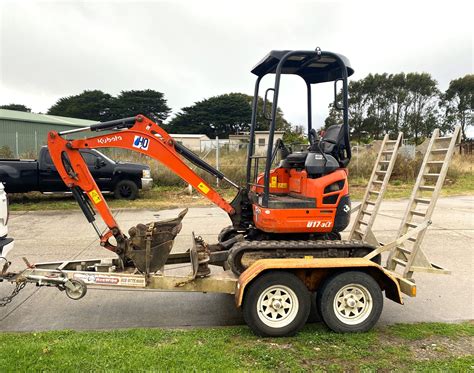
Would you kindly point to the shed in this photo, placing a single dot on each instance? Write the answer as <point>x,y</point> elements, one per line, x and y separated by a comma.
<point>191,141</point>
<point>25,133</point>
<point>261,140</point>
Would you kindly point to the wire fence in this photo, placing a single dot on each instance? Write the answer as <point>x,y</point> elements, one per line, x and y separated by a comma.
<point>230,157</point>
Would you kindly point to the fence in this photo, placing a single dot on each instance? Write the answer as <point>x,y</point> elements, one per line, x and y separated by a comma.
<point>16,144</point>
<point>230,157</point>
<point>466,147</point>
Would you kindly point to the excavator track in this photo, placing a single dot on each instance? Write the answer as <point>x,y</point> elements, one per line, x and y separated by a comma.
<point>243,254</point>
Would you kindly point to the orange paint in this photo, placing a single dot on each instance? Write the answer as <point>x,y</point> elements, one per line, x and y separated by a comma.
<point>145,137</point>
<point>301,220</point>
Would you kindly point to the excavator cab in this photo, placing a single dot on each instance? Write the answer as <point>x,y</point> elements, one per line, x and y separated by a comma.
<point>307,193</point>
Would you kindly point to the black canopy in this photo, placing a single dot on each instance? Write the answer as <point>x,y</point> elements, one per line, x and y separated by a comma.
<point>311,67</point>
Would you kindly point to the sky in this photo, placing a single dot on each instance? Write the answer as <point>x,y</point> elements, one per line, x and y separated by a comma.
<point>192,50</point>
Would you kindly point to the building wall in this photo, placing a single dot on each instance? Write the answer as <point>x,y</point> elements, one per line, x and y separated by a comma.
<point>261,141</point>
<point>31,136</point>
<point>191,143</point>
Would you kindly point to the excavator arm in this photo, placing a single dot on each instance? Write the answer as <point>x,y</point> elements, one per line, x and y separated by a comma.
<point>139,134</point>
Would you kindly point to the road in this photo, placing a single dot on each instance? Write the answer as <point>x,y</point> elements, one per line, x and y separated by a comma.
<point>47,236</point>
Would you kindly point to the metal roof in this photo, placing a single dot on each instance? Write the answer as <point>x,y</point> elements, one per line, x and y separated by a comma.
<point>312,68</point>
<point>21,116</point>
<point>188,136</point>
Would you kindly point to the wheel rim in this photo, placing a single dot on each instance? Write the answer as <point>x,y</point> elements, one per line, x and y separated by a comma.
<point>277,306</point>
<point>353,304</point>
<point>77,290</point>
<point>125,191</point>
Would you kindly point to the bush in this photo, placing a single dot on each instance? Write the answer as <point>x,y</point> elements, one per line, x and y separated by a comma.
<point>233,165</point>
<point>6,152</point>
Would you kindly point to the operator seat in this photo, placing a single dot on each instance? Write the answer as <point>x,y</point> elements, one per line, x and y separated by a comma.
<point>323,156</point>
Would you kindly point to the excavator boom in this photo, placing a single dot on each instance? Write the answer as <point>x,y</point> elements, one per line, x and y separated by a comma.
<point>138,134</point>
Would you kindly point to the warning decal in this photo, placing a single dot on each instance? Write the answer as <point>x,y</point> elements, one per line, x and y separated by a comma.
<point>203,187</point>
<point>95,196</point>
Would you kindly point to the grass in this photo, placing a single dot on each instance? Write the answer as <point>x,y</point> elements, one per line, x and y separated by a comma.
<point>424,347</point>
<point>463,185</point>
<point>157,198</point>
<point>171,192</point>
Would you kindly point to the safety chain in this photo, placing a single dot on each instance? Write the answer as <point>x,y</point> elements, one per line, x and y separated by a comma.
<point>6,300</point>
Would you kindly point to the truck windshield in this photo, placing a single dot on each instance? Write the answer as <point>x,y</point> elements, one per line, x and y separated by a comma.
<point>104,156</point>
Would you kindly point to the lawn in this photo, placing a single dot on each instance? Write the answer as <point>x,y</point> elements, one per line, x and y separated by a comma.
<point>163,197</point>
<point>425,347</point>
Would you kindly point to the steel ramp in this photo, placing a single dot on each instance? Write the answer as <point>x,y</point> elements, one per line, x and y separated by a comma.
<point>407,256</point>
<point>369,207</point>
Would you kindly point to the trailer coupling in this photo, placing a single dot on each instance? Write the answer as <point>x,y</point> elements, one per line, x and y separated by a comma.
<point>74,288</point>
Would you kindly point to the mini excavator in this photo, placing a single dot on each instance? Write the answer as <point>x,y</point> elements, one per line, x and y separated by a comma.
<point>293,209</point>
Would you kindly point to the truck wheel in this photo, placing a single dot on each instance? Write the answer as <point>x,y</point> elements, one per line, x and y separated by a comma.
<point>126,189</point>
<point>276,304</point>
<point>350,302</point>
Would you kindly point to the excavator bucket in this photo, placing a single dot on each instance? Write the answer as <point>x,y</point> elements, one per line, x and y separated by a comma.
<point>150,244</point>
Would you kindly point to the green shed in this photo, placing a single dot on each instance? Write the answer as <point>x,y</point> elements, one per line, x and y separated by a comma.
<point>25,133</point>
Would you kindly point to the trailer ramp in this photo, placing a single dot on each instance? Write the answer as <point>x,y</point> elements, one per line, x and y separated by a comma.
<point>406,255</point>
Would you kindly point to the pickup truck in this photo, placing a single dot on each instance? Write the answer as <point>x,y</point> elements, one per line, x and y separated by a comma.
<point>123,179</point>
<point>6,243</point>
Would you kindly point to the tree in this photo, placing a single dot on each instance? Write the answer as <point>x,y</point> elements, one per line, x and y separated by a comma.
<point>16,107</point>
<point>223,115</point>
<point>423,95</point>
<point>383,104</point>
<point>100,106</point>
<point>263,124</point>
<point>458,102</point>
<point>93,105</point>
<point>295,135</point>
<point>147,102</point>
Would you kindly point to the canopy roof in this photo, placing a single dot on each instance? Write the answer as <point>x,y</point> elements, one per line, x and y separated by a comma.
<point>311,68</point>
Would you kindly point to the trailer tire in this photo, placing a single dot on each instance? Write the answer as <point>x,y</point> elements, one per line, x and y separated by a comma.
<point>126,189</point>
<point>78,290</point>
<point>276,304</point>
<point>350,301</point>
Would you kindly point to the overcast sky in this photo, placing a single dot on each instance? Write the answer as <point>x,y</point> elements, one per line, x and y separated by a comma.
<point>197,49</point>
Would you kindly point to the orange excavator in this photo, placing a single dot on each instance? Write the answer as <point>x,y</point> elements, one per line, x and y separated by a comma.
<point>292,209</point>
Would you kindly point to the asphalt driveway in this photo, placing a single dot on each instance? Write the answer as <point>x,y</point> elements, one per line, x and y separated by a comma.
<point>47,236</point>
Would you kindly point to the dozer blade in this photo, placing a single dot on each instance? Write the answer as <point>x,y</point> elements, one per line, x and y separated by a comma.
<point>150,244</point>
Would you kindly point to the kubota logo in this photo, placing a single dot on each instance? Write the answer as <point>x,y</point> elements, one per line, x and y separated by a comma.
<point>141,142</point>
<point>106,140</point>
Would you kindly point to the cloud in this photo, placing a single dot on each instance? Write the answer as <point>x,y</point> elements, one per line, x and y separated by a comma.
<point>193,50</point>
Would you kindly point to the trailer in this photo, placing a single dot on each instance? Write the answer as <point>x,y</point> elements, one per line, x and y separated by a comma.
<point>274,294</point>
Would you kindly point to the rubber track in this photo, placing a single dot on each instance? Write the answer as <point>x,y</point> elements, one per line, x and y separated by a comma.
<point>285,249</point>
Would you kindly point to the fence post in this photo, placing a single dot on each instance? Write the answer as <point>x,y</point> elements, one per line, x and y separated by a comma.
<point>36,142</point>
<point>16,145</point>
<point>217,159</point>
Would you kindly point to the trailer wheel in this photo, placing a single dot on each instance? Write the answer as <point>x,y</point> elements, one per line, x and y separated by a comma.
<point>276,304</point>
<point>350,302</point>
<point>126,189</point>
<point>76,289</point>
